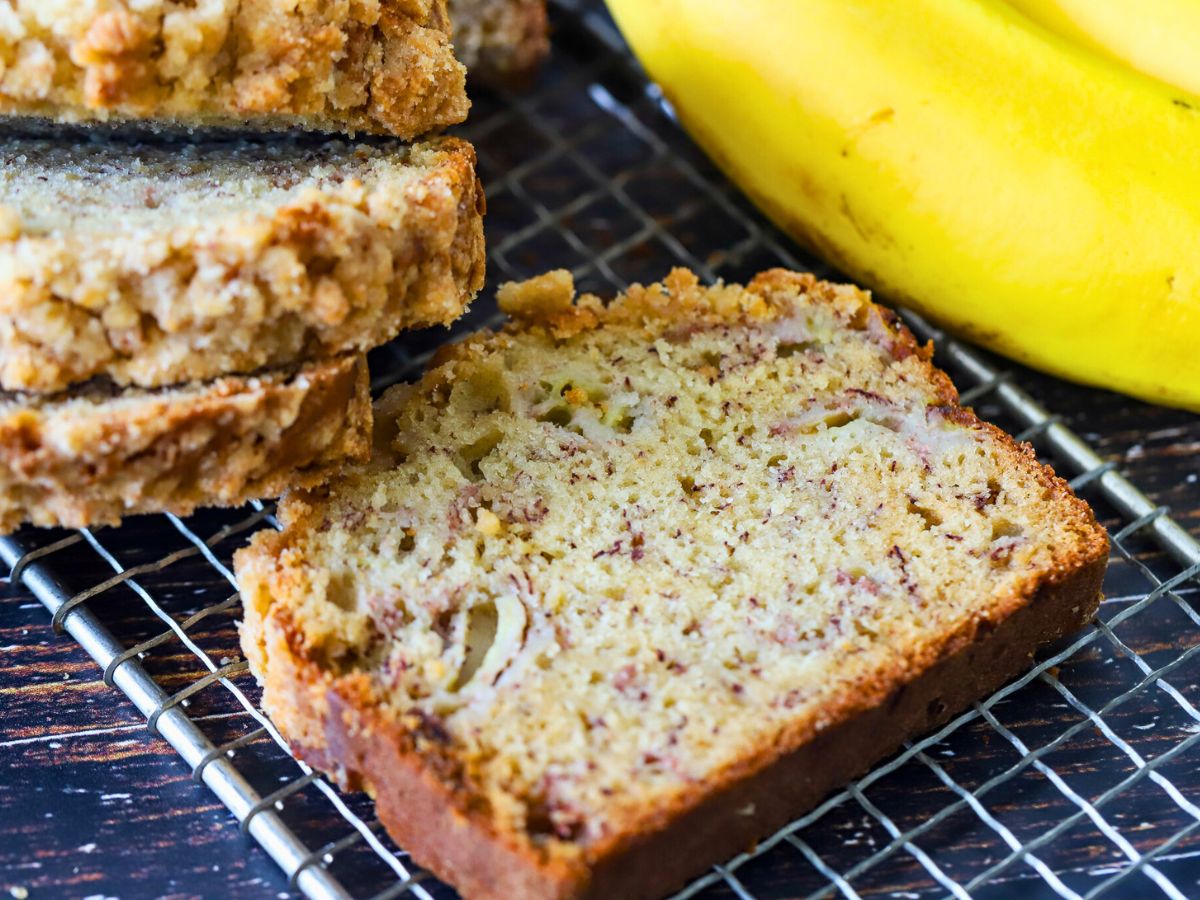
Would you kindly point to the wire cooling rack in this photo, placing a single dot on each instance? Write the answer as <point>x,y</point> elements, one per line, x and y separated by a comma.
<point>1076,780</point>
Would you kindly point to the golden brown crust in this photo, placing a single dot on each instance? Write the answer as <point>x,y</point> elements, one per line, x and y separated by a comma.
<point>91,457</point>
<point>501,42</point>
<point>783,783</point>
<point>459,843</point>
<point>334,268</point>
<point>337,721</point>
<point>375,66</point>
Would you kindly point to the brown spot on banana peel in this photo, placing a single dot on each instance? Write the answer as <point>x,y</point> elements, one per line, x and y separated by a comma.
<point>877,118</point>
<point>879,237</point>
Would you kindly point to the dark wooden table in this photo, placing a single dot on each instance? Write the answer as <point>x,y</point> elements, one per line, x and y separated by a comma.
<point>92,805</point>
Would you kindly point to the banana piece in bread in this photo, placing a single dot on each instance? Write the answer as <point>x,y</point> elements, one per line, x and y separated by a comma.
<point>97,453</point>
<point>375,66</point>
<point>154,264</point>
<point>627,587</point>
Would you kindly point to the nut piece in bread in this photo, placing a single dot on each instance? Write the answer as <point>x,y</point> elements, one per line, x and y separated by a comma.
<point>383,66</point>
<point>155,264</point>
<point>629,586</point>
<point>98,453</point>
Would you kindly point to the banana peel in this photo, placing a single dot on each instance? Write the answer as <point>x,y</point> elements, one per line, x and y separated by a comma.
<point>1008,183</point>
<point>1159,38</point>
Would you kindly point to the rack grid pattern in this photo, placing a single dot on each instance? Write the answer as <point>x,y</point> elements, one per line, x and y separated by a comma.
<point>1074,781</point>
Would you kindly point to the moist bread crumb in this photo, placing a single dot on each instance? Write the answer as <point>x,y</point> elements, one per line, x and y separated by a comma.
<point>374,66</point>
<point>98,453</point>
<point>154,264</point>
<point>626,587</point>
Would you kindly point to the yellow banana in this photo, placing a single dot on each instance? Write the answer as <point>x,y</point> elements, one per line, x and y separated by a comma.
<point>962,160</point>
<point>1158,37</point>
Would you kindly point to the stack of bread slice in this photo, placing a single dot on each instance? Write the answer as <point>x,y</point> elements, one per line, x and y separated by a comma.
<point>184,313</point>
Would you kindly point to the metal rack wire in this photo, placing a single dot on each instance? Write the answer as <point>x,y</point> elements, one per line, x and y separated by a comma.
<point>589,172</point>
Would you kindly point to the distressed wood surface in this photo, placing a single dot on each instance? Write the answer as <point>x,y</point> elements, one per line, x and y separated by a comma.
<point>92,805</point>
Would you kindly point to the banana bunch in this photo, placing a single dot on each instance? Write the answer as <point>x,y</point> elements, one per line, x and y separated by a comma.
<point>1025,173</point>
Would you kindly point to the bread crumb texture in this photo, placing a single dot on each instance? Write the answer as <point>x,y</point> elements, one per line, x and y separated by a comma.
<point>155,264</point>
<point>96,454</point>
<point>611,557</point>
<point>377,66</point>
<point>500,41</point>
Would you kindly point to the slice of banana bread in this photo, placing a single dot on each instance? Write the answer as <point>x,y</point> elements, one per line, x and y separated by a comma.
<point>98,453</point>
<point>500,42</point>
<point>157,264</point>
<point>381,66</point>
<point>628,587</point>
